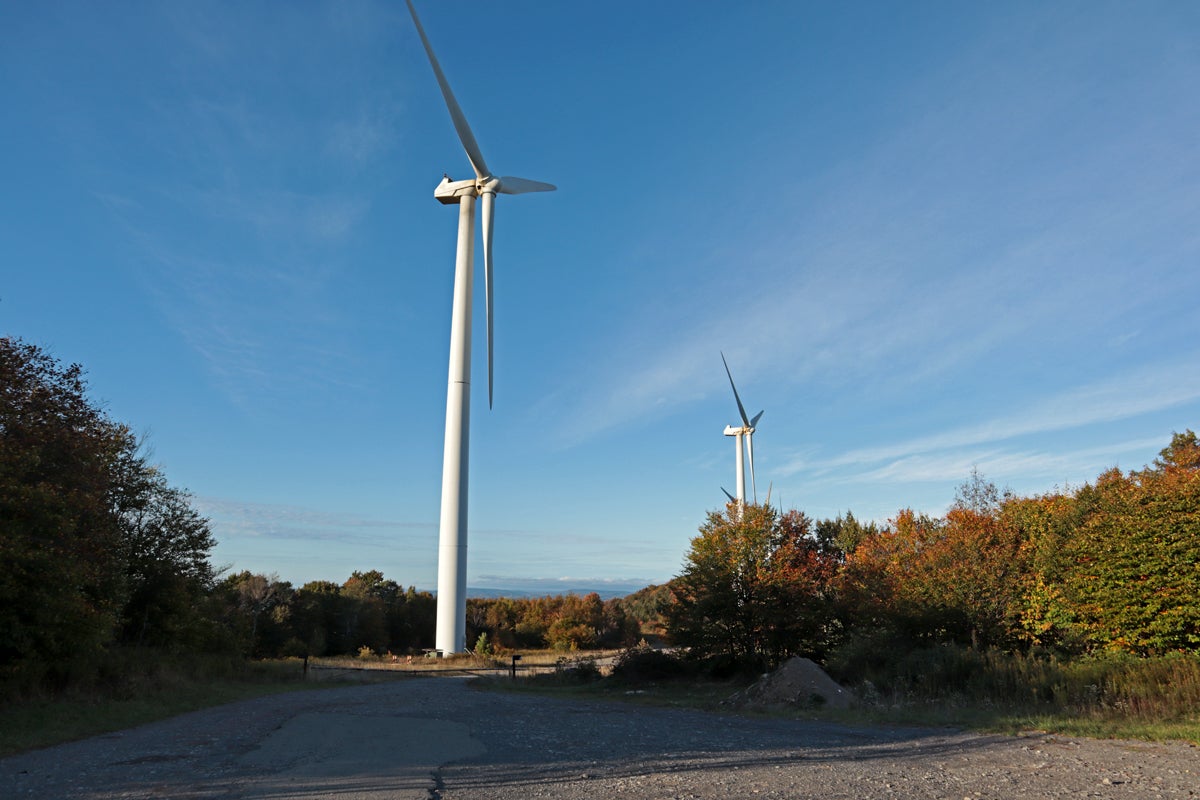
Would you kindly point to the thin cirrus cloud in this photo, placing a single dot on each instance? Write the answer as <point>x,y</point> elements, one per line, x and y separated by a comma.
<point>1002,215</point>
<point>237,519</point>
<point>1142,391</point>
<point>1001,464</point>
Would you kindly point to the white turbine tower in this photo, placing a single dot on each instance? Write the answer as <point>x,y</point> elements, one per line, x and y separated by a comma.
<point>746,429</point>
<point>450,636</point>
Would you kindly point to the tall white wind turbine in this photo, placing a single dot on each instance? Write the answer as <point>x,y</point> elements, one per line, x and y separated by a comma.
<point>746,429</point>
<point>450,635</point>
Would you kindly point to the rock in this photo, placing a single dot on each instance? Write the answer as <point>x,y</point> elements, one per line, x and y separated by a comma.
<point>798,683</point>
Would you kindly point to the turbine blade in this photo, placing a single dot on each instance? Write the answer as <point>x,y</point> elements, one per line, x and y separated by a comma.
<point>770,486</point>
<point>511,185</point>
<point>487,202</point>
<point>456,114</point>
<point>757,417</point>
<point>741,410</point>
<point>750,451</point>
<point>732,499</point>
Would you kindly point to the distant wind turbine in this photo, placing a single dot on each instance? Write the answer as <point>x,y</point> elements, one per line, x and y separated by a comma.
<point>747,430</point>
<point>450,635</point>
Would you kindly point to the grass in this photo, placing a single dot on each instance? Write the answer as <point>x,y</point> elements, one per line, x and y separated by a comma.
<point>157,691</point>
<point>531,662</point>
<point>1102,698</point>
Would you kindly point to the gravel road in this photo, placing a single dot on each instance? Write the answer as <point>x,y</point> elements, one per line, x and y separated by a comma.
<point>438,739</point>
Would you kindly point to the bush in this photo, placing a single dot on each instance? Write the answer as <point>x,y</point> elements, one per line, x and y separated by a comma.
<point>584,670</point>
<point>1112,685</point>
<point>643,664</point>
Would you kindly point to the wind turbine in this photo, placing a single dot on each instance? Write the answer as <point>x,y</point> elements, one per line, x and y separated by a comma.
<point>747,430</point>
<point>450,634</point>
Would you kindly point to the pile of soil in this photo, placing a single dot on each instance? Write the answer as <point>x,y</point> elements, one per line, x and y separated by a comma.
<point>799,683</point>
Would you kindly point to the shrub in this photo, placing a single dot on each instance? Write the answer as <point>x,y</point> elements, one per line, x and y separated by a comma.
<point>583,670</point>
<point>643,663</point>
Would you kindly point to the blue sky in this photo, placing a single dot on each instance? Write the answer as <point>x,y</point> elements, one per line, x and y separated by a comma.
<point>929,237</point>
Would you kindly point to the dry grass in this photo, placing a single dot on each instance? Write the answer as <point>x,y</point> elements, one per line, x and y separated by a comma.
<point>157,691</point>
<point>532,662</point>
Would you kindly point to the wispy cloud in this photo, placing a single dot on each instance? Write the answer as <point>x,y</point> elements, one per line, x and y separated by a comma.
<point>242,519</point>
<point>980,222</point>
<point>1002,464</point>
<point>1131,394</point>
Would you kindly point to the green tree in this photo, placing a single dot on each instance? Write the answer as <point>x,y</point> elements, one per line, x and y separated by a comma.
<point>1134,581</point>
<point>365,597</point>
<point>168,574</point>
<point>62,580</point>
<point>842,535</point>
<point>95,545</point>
<point>314,618</point>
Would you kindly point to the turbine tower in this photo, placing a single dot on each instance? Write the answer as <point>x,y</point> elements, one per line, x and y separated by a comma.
<point>450,635</point>
<point>746,429</point>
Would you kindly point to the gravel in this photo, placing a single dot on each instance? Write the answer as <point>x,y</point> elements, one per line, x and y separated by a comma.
<point>438,739</point>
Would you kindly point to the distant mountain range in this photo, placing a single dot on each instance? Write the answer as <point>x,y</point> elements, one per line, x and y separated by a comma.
<point>534,587</point>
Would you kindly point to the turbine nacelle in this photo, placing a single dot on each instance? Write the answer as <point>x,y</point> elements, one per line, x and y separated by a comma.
<point>450,192</point>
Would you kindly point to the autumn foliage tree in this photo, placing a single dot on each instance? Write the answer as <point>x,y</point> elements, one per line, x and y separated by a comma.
<point>754,588</point>
<point>951,579</point>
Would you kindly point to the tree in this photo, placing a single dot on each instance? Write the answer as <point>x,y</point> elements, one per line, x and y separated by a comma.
<point>753,589</point>
<point>95,545</point>
<point>259,608</point>
<point>1046,524</point>
<point>843,534</point>
<point>314,618</point>
<point>953,579</point>
<point>168,574</point>
<point>647,609</point>
<point>1134,581</point>
<point>365,597</point>
<point>62,582</point>
<point>1181,455</point>
<point>800,612</point>
<point>577,622</point>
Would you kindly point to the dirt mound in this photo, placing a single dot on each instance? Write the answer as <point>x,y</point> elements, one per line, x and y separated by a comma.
<point>799,683</point>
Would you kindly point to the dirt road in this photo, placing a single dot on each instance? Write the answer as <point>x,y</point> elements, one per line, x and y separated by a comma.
<point>438,739</point>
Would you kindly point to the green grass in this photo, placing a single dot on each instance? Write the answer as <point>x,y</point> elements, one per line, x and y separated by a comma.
<point>157,692</point>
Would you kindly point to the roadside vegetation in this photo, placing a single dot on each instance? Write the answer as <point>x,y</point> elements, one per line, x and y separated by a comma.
<point>1077,610</point>
<point>1104,697</point>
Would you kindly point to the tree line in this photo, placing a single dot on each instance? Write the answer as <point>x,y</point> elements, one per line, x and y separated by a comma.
<point>369,614</point>
<point>1111,566</point>
<point>99,551</point>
